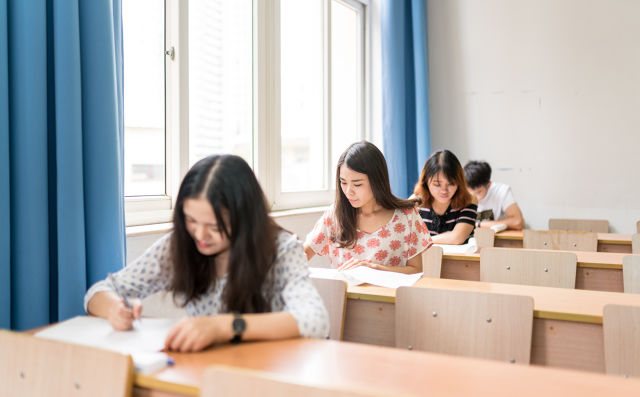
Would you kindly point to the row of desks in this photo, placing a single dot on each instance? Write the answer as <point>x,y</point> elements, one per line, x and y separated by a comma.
<point>567,327</point>
<point>598,271</point>
<point>383,371</point>
<point>607,242</point>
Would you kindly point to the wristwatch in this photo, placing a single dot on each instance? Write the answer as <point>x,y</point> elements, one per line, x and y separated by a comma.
<point>238,326</point>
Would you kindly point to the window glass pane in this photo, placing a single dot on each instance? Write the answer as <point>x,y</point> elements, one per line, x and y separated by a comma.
<point>144,134</point>
<point>220,78</point>
<point>346,78</point>
<point>301,96</point>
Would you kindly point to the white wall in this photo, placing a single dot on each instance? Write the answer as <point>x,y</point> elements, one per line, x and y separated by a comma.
<point>547,91</point>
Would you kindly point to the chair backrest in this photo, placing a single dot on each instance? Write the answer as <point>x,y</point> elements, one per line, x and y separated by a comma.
<point>631,273</point>
<point>334,296</point>
<point>580,225</point>
<point>466,323</point>
<point>621,327</point>
<point>635,243</point>
<point>560,240</point>
<point>528,267</point>
<point>32,366</point>
<point>223,381</point>
<point>432,262</point>
<point>484,237</point>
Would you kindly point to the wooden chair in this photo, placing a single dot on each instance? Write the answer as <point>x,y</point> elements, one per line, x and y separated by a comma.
<point>621,327</point>
<point>466,323</point>
<point>224,381</point>
<point>528,267</point>
<point>631,273</point>
<point>32,366</point>
<point>580,225</point>
<point>484,237</point>
<point>635,243</point>
<point>560,240</point>
<point>334,296</point>
<point>432,262</point>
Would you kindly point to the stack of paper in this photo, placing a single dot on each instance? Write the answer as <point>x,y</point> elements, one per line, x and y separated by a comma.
<point>470,248</point>
<point>363,274</point>
<point>143,342</point>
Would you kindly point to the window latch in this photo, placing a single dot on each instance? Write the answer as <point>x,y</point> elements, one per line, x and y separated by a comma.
<point>171,52</point>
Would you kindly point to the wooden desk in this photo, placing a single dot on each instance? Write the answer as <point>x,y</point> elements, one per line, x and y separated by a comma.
<point>598,271</point>
<point>567,326</point>
<point>383,370</point>
<point>607,242</point>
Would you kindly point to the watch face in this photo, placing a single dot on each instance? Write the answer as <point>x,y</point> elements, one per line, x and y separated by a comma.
<point>238,325</point>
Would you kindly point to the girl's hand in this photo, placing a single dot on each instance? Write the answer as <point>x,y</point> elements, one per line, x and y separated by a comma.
<point>193,334</point>
<point>355,262</point>
<point>121,317</point>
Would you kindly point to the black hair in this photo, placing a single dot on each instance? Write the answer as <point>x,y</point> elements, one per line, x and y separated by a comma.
<point>477,173</point>
<point>445,162</point>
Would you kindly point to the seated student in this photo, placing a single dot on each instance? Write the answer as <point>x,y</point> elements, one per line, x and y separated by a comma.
<point>367,225</point>
<point>225,257</point>
<point>495,200</point>
<point>446,207</point>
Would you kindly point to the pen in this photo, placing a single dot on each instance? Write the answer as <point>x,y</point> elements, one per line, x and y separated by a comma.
<point>117,290</point>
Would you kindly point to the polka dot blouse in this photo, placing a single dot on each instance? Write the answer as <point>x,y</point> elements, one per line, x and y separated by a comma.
<point>400,239</point>
<point>292,289</point>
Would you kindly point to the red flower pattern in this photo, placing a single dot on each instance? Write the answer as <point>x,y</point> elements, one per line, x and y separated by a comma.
<point>412,251</point>
<point>372,243</point>
<point>328,221</point>
<point>380,255</point>
<point>411,238</point>
<point>347,256</point>
<point>395,244</point>
<point>319,238</point>
<point>395,261</point>
<point>358,249</point>
<point>399,228</point>
<point>384,233</point>
<point>325,250</point>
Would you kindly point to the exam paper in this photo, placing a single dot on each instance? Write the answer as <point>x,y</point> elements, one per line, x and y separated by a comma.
<point>148,334</point>
<point>363,274</point>
<point>470,248</point>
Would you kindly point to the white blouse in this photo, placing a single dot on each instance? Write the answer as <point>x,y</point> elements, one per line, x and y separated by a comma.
<point>291,289</point>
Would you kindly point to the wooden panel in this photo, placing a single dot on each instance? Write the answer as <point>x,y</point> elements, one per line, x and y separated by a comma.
<point>484,237</point>
<point>334,296</point>
<point>507,243</point>
<point>610,247</point>
<point>370,322</point>
<point>460,269</point>
<point>631,273</point>
<point>635,243</point>
<point>638,226</point>
<point>528,267</point>
<point>473,324</point>
<point>225,381</point>
<point>567,344</point>
<point>560,240</point>
<point>621,325</point>
<point>599,279</point>
<point>32,366</point>
<point>432,262</point>
<point>580,225</point>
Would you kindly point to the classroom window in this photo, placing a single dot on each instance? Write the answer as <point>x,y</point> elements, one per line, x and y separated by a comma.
<point>279,82</point>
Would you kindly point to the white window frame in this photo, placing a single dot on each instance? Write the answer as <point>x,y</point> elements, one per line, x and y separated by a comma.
<point>266,118</point>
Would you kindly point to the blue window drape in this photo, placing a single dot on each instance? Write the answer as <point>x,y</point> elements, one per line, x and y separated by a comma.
<point>405,91</point>
<point>61,155</point>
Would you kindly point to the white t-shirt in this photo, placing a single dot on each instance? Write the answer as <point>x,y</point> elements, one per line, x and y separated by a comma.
<point>494,204</point>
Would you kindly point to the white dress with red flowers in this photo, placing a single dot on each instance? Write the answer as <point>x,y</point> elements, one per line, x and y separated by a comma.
<point>402,238</point>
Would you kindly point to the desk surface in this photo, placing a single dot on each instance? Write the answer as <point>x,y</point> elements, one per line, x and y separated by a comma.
<point>603,238</point>
<point>602,260</point>
<point>552,303</point>
<point>384,370</point>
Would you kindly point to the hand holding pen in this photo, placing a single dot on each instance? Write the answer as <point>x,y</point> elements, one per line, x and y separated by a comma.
<point>124,311</point>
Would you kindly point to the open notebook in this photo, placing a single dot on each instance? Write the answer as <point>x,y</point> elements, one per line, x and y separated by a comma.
<point>143,342</point>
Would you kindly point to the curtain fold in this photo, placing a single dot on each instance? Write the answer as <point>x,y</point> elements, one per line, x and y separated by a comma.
<point>405,91</point>
<point>64,127</point>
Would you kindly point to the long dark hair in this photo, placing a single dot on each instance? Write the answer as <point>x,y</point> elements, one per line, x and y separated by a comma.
<point>363,157</point>
<point>230,186</point>
<point>446,162</point>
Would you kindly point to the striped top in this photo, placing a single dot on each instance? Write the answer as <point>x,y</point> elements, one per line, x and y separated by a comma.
<point>438,224</point>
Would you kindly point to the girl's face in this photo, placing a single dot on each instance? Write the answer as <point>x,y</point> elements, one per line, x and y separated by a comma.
<point>201,224</point>
<point>356,187</point>
<point>440,189</point>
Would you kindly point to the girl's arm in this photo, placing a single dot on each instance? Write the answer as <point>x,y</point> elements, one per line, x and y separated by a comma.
<point>196,333</point>
<point>309,251</point>
<point>108,305</point>
<point>513,219</point>
<point>458,235</point>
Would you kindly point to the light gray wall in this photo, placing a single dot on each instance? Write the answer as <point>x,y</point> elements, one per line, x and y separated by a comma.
<point>547,91</point>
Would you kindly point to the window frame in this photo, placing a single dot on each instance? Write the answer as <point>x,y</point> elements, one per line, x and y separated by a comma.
<point>141,210</point>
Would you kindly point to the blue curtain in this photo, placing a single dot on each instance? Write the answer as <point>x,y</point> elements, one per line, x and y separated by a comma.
<point>61,155</point>
<point>405,91</point>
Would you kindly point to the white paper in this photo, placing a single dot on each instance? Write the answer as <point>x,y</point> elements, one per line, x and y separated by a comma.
<point>470,248</point>
<point>363,274</point>
<point>499,227</point>
<point>148,334</point>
